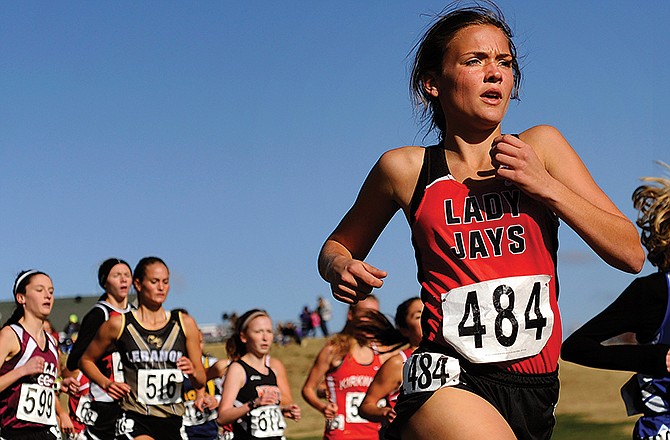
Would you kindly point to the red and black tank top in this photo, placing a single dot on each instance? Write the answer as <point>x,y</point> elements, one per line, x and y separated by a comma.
<point>486,252</point>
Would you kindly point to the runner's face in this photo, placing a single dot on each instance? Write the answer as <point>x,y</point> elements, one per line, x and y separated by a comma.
<point>39,296</point>
<point>155,285</point>
<point>118,282</point>
<point>477,78</point>
<point>258,336</point>
<point>413,320</point>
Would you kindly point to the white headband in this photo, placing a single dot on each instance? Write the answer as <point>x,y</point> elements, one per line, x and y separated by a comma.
<point>23,277</point>
<point>254,315</point>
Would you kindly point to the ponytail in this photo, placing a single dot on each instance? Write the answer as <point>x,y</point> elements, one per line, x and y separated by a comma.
<point>16,315</point>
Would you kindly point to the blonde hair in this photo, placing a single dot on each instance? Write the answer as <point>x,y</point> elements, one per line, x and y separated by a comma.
<point>653,203</point>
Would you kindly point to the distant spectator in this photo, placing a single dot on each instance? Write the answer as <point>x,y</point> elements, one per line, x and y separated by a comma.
<point>229,322</point>
<point>316,321</point>
<point>325,311</point>
<point>72,327</point>
<point>306,322</point>
<point>288,331</point>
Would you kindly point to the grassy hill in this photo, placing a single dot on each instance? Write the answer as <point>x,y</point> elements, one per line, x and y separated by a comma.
<point>589,407</point>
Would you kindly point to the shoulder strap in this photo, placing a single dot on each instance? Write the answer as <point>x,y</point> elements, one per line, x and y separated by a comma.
<point>103,306</point>
<point>434,166</point>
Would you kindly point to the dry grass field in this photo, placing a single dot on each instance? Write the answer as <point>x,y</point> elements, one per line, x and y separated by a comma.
<point>589,407</point>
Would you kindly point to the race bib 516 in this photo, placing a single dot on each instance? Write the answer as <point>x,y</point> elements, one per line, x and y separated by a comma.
<point>159,387</point>
<point>499,320</point>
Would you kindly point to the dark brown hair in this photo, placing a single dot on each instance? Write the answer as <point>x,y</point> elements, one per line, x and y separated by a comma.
<point>430,52</point>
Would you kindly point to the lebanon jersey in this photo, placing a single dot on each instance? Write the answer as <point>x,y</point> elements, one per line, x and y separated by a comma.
<point>30,402</point>
<point>346,386</point>
<point>486,254</point>
<point>149,359</point>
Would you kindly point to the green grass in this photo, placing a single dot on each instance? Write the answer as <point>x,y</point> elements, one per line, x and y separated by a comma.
<point>589,408</point>
<point>573,427</point>
<point>570,427</point>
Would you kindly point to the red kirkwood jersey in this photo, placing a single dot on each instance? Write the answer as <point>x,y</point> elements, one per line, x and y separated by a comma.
<point>480,231</point>
<point>10,396</point>
<point>347,386</point>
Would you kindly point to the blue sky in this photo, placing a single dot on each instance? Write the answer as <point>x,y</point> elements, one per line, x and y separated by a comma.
<point>229,138</point>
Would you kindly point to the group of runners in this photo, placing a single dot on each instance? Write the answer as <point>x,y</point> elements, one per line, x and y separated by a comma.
<point>139,372</point>
<point>136,372</point>
<point>475,357</point>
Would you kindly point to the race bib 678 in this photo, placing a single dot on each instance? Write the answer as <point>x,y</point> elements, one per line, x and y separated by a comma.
<point>499,320</point>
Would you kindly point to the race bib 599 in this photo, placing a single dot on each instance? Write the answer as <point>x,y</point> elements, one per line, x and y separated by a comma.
<point>37,404</point>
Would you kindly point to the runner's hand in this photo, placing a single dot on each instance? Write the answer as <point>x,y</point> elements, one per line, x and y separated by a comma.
<point>292,412</point>
<point>330,411</point>
<point>352,280</point>
<point>34,366</point>
<point>118,390</point>
<point>70,385</point>
<point>185,365</point>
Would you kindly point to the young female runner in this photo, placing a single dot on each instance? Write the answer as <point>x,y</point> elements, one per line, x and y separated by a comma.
<point>156,348</point>
<point>256,395</point>
<point>347,364</point>
<point>97,409</point>
<point>386,384</point>
<point>483,207</point>
<point>29,407</point>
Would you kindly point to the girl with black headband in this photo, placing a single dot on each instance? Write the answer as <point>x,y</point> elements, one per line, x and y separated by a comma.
<point>29,408</point>
<point>97,409</point>
<point>256,395</point>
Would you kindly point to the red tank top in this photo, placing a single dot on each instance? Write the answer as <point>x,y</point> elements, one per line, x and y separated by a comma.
<point>392,398</point>
<point>31,397</point>
<point>475,241</point>
<point>347,386</point>
<point>74,401</point>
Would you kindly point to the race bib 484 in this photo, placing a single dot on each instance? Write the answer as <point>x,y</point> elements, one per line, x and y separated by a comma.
<point>429,372</point>
<point>499,320</point>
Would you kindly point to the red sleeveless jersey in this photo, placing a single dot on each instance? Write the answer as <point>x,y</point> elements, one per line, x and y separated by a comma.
<point>475,240</point>
<point>392,398</point>
<point>36,402</point>
<point>347,386</point>
<point>73,402</point>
